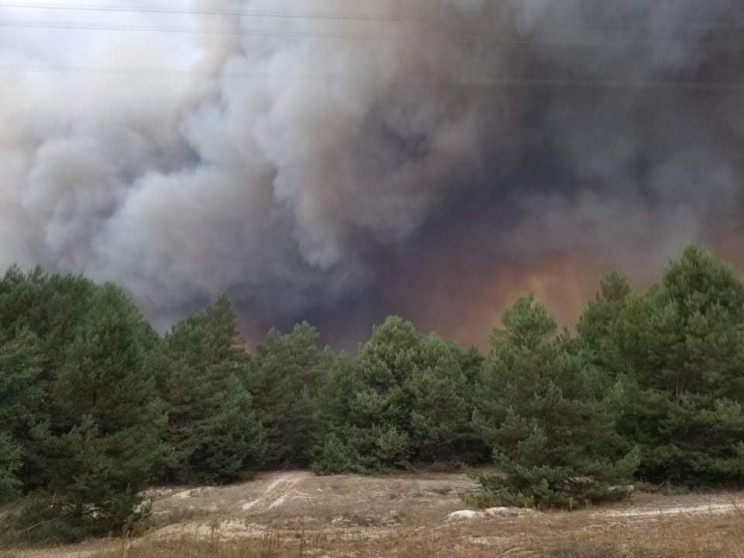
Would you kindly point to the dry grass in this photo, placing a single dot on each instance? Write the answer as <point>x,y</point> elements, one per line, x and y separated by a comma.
<point>297,515</point>
<point>673,537</point>
<point>553,536</point>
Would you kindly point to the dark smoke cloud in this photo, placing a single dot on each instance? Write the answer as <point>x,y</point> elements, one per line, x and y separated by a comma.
<point>434,158</point>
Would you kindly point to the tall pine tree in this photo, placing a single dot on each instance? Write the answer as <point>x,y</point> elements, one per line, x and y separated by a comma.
<point>678,352</point>
<point>537,408</point>
<point>107,438</point>
<point>214,434</point>
<point>20,408</point>
<point>285,376</point>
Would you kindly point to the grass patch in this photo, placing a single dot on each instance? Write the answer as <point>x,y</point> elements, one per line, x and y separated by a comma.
<point>576,535</point>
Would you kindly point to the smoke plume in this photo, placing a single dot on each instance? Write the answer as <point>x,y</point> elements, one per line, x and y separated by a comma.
<point>338,161</point>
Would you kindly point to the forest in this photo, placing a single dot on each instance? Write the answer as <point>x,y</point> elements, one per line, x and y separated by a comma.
<point>96,405</point>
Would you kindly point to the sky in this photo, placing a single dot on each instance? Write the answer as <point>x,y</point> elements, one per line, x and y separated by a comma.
<point>339,161</point>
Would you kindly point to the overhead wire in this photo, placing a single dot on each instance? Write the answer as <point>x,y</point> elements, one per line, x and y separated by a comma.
<point>713,26</point>
<point>455,37</point>
<point>472,38</point>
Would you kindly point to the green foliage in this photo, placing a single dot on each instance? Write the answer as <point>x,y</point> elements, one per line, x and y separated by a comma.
<point>20,400</point>
<point>213,433</point>
<point>49,306</point>
<point>40,313</point>
<point>334,456</point>
<point>107,438</point>
<point>404,400</point>
<point>94,405</point>
<point>595,327</point>
<point>10,463</point>
<point>677,355</point>
<point>552,436</point>
<point>285,375</point>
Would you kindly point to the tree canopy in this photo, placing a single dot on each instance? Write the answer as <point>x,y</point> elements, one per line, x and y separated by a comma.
<point>95,404</point>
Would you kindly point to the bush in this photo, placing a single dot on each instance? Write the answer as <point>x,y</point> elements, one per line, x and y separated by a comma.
<point>45,519</point>
<point>544,487</point>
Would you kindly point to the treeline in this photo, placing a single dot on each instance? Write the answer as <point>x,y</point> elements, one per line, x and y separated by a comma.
<point>95,405</point>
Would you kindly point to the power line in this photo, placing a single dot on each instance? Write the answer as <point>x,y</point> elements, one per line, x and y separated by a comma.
<point>232,13</point>
<point>316,15</point>
<point>474,38</point>
<point>517,82</point>
<point>333,17</point>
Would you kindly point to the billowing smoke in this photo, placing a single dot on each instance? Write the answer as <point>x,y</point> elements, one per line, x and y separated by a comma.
<point>339,160</point>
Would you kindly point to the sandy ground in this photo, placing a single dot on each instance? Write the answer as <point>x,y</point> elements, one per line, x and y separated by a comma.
<point>354,507</point>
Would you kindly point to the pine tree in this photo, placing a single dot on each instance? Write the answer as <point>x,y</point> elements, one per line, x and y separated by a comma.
<point>285,376</point>
<point>47,308</point>
<point>441,405</point>
<point>330,452</point>
<point>596,323</point>
<point>679,353</point>
<point>550,433</point>
<point>111,422</point>
<point>405,399</point>
<point>213,434</point>
<point>20,401</point>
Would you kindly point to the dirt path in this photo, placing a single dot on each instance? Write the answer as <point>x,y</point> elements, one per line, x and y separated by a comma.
<point>691,510</point>
<point>284,484</point>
